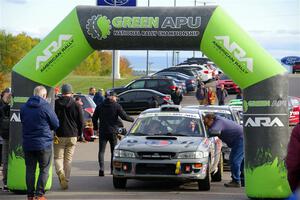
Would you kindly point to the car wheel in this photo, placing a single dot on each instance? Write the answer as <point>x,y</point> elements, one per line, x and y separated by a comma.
<point>119,183</point>
<point>217,177</point>
<point>204,184</point>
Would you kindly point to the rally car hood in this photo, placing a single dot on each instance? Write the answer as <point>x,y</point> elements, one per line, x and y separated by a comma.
<point>164,143</point>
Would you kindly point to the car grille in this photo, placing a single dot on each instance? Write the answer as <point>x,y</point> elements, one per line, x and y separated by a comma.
<point>155,169</point>
<point>156,155</point>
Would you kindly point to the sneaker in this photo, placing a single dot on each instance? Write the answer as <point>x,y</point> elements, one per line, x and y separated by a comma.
<point>62,180</point>
<point>5,188</point>
<point>41,198</point>
<point>232,184</point>
<point>101,173</point>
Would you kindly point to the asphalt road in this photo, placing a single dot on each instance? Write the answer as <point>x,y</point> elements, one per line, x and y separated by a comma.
<point>86,184</point>
<point>294,82</point>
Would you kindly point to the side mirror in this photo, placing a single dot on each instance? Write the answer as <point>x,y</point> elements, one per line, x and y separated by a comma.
<point>122,131</point>
<point>121,99</point>
<point>214,133</point>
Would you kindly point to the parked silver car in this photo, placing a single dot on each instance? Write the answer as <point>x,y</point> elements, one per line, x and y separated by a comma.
<point>168,143</point>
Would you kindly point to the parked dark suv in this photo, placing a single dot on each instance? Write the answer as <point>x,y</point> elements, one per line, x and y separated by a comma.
<point>160,84</point>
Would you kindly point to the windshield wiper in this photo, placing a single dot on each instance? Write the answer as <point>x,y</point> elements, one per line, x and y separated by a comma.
<point>138,134</point>
<point>176,134</point>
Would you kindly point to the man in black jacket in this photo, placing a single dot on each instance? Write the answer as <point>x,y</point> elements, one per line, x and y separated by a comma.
<point>108,113</point>
<point>4,131</point>
<point>176,96</point>
<point>70,117</point>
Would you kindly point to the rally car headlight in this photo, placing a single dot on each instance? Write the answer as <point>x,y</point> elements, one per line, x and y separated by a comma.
<point>191,155</point>
<point>123,154</point>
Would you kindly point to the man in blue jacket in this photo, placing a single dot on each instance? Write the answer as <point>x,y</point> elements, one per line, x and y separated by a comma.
<point>38,120</point>
<point>232,135</point>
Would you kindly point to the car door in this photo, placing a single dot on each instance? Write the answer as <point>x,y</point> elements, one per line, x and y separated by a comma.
<point>152,84</point>
<point>144,100</point>
<point>165,86</point>
<point>126,100</point>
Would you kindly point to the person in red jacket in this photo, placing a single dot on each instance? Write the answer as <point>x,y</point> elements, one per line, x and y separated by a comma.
<point>293,159</point>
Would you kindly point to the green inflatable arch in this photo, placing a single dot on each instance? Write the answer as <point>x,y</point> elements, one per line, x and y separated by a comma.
<point>208,29</point>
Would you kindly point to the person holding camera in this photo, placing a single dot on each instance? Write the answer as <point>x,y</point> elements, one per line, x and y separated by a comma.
<point>108,114</point>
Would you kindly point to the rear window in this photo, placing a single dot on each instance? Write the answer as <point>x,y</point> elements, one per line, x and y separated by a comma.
<point>165,83</point>
<point>151,84</point>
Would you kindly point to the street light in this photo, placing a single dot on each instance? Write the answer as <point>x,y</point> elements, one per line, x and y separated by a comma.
<point>177,52</point>
<point>147,58</point>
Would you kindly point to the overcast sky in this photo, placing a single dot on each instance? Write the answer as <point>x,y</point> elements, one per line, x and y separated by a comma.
<point>274,23</point>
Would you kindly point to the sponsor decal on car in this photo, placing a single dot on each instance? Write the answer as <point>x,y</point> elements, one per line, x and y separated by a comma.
<point>158,143</point>
<point>189,115</point>
<point>217,111</point>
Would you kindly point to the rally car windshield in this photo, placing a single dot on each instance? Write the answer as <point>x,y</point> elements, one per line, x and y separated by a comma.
<point>167,126</point>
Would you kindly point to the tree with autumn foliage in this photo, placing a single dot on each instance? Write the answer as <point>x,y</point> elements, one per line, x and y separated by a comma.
<point>14,47</point>
<point>100,63</point>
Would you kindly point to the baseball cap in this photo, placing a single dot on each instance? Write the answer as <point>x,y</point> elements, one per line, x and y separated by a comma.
<point>66,89</point>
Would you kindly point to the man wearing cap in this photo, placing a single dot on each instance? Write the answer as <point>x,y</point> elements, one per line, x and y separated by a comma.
<point>4,131</point>
<point>70,117</point>
<point>108,113</point>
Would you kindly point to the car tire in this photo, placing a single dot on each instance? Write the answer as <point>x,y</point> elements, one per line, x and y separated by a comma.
<point>119,183</point>
<point>204,184</point>
<point>217,177</point>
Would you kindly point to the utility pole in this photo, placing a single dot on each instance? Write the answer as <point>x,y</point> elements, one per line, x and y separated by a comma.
<point>177,52</point>
<point>195,4</point>
<point>115,61</point>
<point>147,59</point>
<point>167,59</point>
<point>173,54</point>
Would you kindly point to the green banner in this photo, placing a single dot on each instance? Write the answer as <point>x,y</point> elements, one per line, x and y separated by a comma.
<point>16,172</point>
<point>236,53</point>
<point>55,57</point>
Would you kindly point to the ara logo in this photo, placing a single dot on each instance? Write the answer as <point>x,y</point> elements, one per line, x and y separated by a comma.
<point>51,49</point>
<point>15,117</point>
<point>237,51</point>
<point>263,122</point>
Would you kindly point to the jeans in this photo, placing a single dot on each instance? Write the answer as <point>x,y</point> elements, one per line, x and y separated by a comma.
<point>221,102</point>
<point>4,160</point>
<point>43,158</point>
<point>104,138</point>
<point>236,159</point>
<point>63,155</point>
